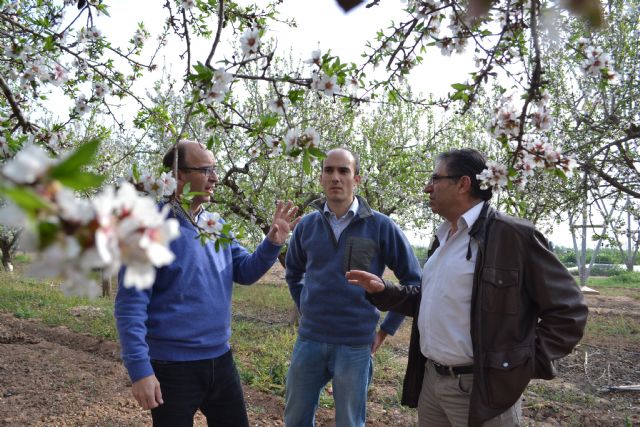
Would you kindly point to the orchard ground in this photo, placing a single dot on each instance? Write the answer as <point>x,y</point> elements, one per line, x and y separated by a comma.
<point>54,376</point>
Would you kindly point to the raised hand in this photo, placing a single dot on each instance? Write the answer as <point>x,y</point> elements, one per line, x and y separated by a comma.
<point>367,281</point>
<point>284,220</point>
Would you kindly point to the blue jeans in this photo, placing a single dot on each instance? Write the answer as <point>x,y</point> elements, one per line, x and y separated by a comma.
<point>211,385</point>
<point>313,364</point>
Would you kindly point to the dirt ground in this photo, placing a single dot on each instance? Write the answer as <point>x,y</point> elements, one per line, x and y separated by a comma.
<point>55,377</point>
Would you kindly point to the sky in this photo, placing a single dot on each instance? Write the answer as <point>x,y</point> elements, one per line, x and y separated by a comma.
<point>320,24</point>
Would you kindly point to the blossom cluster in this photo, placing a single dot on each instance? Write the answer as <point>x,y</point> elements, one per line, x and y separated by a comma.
<point>494,176</point>
<point>217,89</point>
<point>77,236</point>
<point>597,63</point>
<point>533,152</point>
<point>294,139</point>
<point>156,186</point>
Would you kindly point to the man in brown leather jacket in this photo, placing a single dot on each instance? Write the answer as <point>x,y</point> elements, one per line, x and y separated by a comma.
<point>495,309</point>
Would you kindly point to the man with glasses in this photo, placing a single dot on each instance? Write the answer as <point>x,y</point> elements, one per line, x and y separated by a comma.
<point>175,336</point>
<point>496,307</point>
<point>337,334</point>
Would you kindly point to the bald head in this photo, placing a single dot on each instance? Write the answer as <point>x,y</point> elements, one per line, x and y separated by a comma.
<point>355,159</point>
<point>187,149</point>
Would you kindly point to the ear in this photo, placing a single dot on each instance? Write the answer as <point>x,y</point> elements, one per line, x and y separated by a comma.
<point>464,184</point>
<point>357,179</point>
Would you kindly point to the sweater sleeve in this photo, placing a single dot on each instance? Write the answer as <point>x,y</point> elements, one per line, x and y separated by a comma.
<point>295,266</point>
<point>130,311</point>
<point>401,259</point>
<point>249,267</point>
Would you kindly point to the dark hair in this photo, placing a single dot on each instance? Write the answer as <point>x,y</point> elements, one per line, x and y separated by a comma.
<point>168,159</point>
<point>467,162</point>
<point>356,158</point>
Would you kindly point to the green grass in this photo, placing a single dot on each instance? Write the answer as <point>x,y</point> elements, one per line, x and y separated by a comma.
<point>627,279</point>
<point>625,330</point>
<point>32,299</point>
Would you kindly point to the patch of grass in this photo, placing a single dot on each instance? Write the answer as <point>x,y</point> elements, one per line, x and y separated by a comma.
<point>258,297</point>
<point>626,279</point>
<point>31,299</point>
<point>603,328</point>
<point>549,392</point>
<point>262,352</point>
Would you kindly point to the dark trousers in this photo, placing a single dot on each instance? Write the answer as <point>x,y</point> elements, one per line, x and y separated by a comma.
<point>211,385</point>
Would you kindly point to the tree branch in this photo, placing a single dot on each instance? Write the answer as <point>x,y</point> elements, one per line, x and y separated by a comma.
<point>24,123</point>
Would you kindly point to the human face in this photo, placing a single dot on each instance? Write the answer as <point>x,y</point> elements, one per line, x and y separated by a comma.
<point>443,192</point>
<point>338,178</point>
<point>200,181</point>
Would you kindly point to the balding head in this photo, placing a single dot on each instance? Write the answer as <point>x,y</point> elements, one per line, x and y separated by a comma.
<point>186,149</point>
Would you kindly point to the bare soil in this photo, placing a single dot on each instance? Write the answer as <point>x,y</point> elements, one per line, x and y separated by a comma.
<point>55,377</point>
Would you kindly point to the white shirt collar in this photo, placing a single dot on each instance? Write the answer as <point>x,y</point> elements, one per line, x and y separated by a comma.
<point>353,208</point>
<point>466,220</point>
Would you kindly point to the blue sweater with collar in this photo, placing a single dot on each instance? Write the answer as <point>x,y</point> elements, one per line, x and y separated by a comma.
<point>332,310</point>
<point>186,315</point>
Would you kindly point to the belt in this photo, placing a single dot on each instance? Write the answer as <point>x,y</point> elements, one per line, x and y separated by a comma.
<point>452,370</point>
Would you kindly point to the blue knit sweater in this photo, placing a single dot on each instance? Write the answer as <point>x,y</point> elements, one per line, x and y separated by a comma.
<point>333,311</point>
<point>186,315</point>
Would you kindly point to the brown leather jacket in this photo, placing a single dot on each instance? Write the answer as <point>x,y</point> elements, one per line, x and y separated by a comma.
<point>526,312</point>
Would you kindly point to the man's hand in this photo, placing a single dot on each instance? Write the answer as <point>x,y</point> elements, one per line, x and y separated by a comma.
<point>283,222</point>
<point>367,281</point>
<point>147,392</point>
<point>377,341</point>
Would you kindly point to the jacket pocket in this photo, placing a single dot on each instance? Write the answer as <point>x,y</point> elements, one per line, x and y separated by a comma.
<point>359,252</point>
<point>507,374</point>
<point>500,290</point>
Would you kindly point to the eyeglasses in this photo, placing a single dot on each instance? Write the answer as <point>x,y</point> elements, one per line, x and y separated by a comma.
<point>207,170</point>
<point>435,177</point>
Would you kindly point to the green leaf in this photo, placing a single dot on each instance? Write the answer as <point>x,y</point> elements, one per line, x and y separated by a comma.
<point>46,233</point>
<point>82,156</point>
<point>306,162</point>
<point>135,172</point>
<point>295,96</point>
<point>317,153</point>
<point>25,198</point>
<point>82,180</point>
<point>460,86</point>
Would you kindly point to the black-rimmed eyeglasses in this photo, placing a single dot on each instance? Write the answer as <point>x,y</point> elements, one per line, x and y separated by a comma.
<point>207,170</point>
<point>435,177</point>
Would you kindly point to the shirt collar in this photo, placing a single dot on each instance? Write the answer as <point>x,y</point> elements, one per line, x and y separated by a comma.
<point>466,220</point>
<point>353,209</point>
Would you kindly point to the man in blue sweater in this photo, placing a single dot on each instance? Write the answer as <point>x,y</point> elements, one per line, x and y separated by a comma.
<point>175,336</point>
<point>337,334</point>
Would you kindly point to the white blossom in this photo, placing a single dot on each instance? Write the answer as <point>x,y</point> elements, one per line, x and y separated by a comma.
<point>210,223</point>
<point>326,85</point>
<point>82,106</point>
<point>274,145</point>
<point>58,75</point>
<point>316,56</point>
<point>27,165</point>
<point>100,89</point>
<point>93,34</point>
<point>279,105</point>
<point>542,119</point>
<point>250,41</point>
<point>495,176</point>
<point>73,209</point>
<point>291,138</point>
<point>139,37</point>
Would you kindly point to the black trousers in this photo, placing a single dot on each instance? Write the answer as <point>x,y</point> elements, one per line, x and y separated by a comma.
<point>211,385</point>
